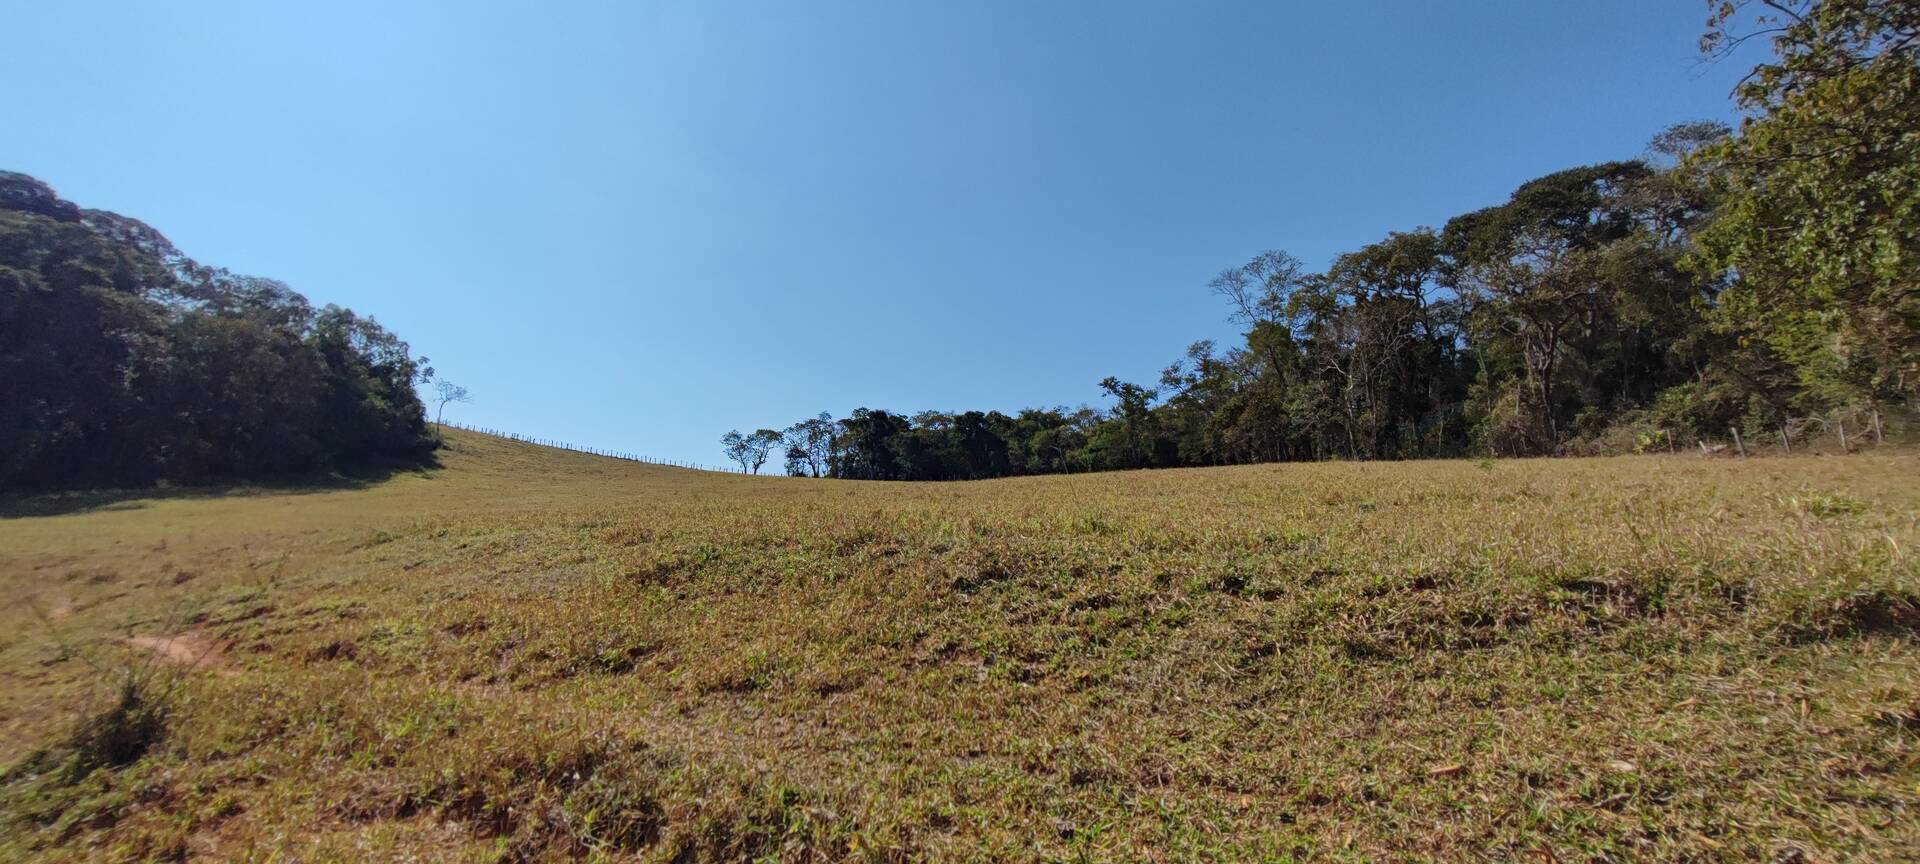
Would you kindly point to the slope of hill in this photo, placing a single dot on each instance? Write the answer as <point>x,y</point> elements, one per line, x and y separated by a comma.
<point>534,654</point>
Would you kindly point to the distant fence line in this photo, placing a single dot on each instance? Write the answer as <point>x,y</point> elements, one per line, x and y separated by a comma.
<point>591,451</point>
<point>1850,431</point>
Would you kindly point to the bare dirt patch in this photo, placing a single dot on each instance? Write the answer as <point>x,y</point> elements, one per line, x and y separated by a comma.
<point>192,650</point>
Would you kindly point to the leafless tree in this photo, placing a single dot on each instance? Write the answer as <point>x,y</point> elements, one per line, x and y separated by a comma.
<point>445,392</point>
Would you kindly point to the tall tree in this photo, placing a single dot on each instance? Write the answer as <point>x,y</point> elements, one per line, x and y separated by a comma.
<point>1135,426</point>
<point>809,445</point>
<point>1531,270</point>
<point>739,449</point>
<point>870,445</point>
<point>760,445</point>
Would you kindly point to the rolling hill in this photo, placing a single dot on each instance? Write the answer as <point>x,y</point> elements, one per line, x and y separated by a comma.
<point>531,654</point>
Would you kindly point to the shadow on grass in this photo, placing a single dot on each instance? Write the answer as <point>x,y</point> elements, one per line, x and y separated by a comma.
<point>98,500</point>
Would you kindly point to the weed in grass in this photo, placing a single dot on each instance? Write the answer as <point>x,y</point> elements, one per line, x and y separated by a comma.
<point>121,732</point>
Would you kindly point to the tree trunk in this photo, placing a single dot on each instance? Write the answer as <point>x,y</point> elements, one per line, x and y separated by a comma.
<point>1543,375</point>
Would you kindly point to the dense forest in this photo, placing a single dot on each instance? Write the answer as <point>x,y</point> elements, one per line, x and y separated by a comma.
<point>1725,279</point>
<point>123,363</point>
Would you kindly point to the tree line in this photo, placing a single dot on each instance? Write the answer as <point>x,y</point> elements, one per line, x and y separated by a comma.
<point>125,363</point>
<point>1724,279</point>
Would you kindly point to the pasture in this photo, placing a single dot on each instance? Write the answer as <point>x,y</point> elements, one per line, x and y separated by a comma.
<point>530,654</point>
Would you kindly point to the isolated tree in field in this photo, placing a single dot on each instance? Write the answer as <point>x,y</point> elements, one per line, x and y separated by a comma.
<point>446,391</point>
<point>750,451</point>
<point>736,446</point>
<point>759,446</point>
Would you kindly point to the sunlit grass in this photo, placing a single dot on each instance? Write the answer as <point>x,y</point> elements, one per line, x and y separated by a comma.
<point>536,654</point>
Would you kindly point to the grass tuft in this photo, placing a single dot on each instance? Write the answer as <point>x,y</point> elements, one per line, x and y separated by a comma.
<point>120,732</point>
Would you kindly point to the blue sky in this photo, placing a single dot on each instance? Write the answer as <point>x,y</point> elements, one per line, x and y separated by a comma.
<point>639,225</point>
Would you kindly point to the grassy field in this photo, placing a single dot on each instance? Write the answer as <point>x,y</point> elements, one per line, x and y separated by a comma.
<point>534,654</point>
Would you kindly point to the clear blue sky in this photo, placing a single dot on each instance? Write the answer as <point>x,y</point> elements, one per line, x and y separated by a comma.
<point>639,225</point>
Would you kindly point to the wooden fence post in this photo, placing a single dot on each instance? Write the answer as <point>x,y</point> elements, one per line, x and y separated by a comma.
<point>1877,437</point>
<point>1842,426</point>
<point>1742,447</point>
<point>1785,444</point>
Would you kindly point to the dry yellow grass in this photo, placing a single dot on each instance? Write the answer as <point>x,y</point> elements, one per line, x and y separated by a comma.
<point>532,654</point>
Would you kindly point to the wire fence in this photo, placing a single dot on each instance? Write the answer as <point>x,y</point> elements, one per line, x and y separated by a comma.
<point>1842,432</point>
<point>591,451</point>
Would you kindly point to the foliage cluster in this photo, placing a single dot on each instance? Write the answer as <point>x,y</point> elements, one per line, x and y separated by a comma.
<point>1721,280</point>
<point>124,363</point>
